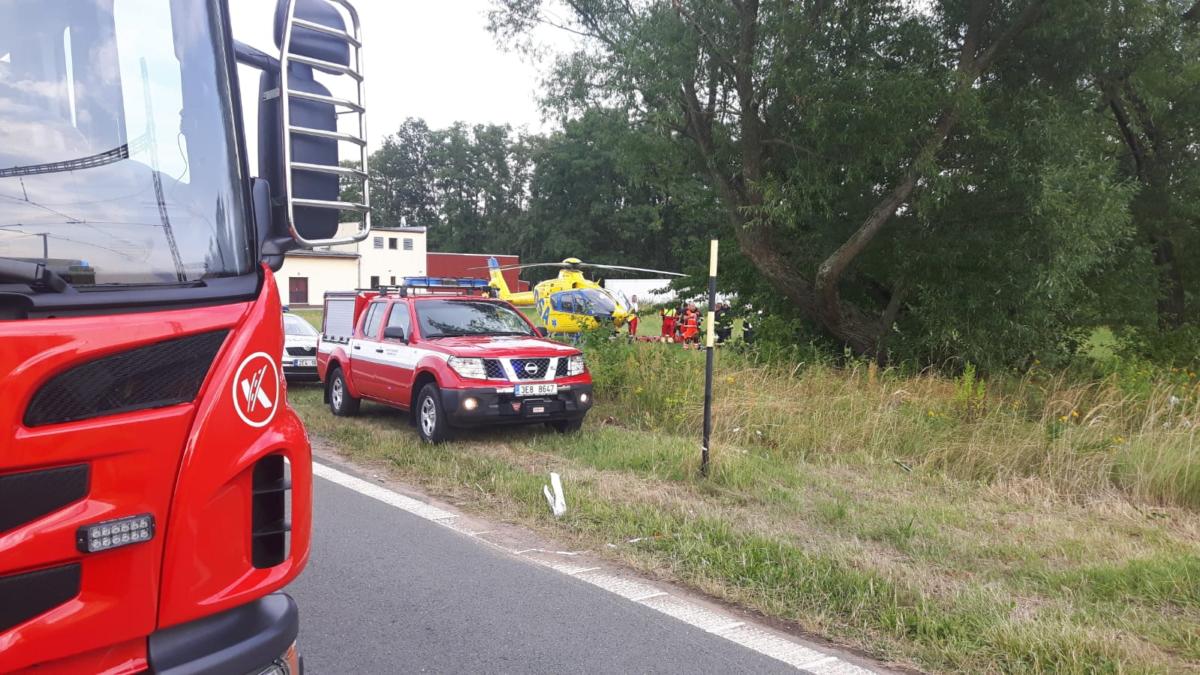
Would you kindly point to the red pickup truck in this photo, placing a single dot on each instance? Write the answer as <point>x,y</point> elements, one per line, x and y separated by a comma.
<point>452,354</point>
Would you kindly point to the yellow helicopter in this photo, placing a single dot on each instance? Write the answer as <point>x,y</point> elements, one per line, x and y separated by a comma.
<point>570,303</point>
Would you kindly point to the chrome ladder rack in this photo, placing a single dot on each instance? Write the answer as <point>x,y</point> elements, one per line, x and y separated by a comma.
<point>356,107</point>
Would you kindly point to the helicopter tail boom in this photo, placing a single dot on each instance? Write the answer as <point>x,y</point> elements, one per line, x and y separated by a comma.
<point>501,285</point>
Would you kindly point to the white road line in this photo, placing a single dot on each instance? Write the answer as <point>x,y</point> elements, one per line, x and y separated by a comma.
<point>413,506</point>
<point>722,625</point>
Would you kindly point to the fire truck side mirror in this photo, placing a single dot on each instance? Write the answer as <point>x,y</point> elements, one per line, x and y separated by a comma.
<point>316,167</point>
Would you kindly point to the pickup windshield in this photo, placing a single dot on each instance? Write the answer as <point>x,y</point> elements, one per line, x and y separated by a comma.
<point>118,164</point>
<point>455,318</point>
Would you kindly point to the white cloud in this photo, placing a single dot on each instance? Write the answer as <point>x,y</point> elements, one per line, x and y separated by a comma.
<point>434,60</point>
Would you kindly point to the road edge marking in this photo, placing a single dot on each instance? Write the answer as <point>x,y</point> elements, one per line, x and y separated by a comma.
<point>747,635</point>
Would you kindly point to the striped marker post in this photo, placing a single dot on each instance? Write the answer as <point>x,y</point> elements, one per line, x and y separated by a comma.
<point>708,366</point>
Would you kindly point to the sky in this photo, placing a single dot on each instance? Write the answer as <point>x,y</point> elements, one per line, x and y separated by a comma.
<point>423,58</point>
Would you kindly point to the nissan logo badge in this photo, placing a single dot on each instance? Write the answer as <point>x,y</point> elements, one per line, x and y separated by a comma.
<point>531,368</point>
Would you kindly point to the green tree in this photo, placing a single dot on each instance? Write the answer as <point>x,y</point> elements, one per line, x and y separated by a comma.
<point>926,178</point>
<point>401,177</point>
<point>601,191</point>
<point>1147,79</point>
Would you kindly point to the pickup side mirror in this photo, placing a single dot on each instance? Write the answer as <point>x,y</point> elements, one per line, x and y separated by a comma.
<point>298,135</point>
<point>394,333</point>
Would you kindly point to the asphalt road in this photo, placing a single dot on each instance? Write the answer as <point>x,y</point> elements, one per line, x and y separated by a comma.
<point>388,592</point>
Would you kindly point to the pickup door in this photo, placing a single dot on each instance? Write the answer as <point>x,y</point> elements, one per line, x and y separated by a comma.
<point>400,357</point>
<point>366,354</point>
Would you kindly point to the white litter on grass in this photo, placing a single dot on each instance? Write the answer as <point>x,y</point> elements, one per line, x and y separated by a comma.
<point>558,503</point>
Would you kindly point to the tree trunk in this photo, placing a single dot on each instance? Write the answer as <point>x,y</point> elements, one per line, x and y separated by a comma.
<point>1171,301</point>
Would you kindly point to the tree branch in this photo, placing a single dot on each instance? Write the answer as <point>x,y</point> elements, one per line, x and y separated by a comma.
<point>832,269</point>
<point>1027,18</point>
<point>593,24</point>
<point>1131,138</point>
<point>713,48</point>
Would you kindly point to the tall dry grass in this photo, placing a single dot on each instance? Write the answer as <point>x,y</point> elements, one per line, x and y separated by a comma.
<point>1133,434</point>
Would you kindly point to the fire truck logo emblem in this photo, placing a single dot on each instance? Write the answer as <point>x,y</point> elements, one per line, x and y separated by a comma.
<point>531,368</point>
<point>256,389</point>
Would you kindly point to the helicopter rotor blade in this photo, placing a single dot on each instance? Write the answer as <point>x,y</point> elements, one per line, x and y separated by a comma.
<point>622,268</point>
<point>521,267</point>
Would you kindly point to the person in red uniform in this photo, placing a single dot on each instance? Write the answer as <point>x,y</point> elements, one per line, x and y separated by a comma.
<point>633,316</point>
<point>668,323</point>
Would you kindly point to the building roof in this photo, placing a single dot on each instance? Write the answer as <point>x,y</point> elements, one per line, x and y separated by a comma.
<point>311,253</point>
<point>476,255</point>
<point>385,228</point>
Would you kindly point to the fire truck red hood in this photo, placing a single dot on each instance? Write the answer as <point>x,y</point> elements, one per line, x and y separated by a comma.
<point>502,346</point>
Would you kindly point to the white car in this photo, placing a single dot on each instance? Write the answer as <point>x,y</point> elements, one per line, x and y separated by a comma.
<point>299,348</point>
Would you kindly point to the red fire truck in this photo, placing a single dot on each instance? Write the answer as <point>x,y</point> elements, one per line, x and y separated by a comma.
<point>450,353</point>
<point>155,487</point>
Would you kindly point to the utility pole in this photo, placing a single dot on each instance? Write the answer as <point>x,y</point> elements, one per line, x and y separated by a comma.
<point>708,365</point>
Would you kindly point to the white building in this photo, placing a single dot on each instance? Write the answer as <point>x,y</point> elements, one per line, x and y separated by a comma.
<point>648,291</point>
<point>383,258</point>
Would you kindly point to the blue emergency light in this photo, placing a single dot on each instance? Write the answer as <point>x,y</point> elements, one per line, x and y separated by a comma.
<point>442,285</point>
<point>445,282</point>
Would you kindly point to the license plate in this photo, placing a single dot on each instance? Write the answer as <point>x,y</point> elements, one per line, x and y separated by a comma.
<point>305,363</point>
<point>535,390</point>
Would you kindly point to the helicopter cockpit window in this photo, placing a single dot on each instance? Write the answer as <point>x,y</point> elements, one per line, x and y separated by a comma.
<point>595,302</point>
<point>565,302</point>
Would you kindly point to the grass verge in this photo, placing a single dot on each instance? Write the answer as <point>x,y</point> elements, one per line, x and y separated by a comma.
<point>1023,526</point>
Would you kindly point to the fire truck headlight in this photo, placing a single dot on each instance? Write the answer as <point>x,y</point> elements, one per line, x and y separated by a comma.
<point>472,369</point>
<point>575,365</point>
<point>115,533</point>
<point>470,404</point>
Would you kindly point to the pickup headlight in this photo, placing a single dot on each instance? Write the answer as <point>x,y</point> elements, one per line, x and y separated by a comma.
<point>575,365</point>
<point>471,369</point>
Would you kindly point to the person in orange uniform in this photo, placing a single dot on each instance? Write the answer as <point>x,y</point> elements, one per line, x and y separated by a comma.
<point>633,316</point>
<point>691,324</point>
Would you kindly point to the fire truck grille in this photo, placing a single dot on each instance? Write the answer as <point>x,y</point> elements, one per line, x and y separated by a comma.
<point>561,370</point>
<point>29,495</point>
<point>24,596</point>
<point>302,351</point>
<point>495,369</point>
<point>530,369</point>
<point>155,376</point>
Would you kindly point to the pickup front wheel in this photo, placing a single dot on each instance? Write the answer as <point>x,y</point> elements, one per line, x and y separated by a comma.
<point>431,417</point>
<point>340,401</point>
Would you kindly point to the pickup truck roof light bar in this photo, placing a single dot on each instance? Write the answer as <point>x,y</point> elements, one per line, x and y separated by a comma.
<point>439,286</point>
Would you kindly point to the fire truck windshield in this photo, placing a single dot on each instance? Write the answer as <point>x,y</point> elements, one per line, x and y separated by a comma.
<point>118,159</point>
